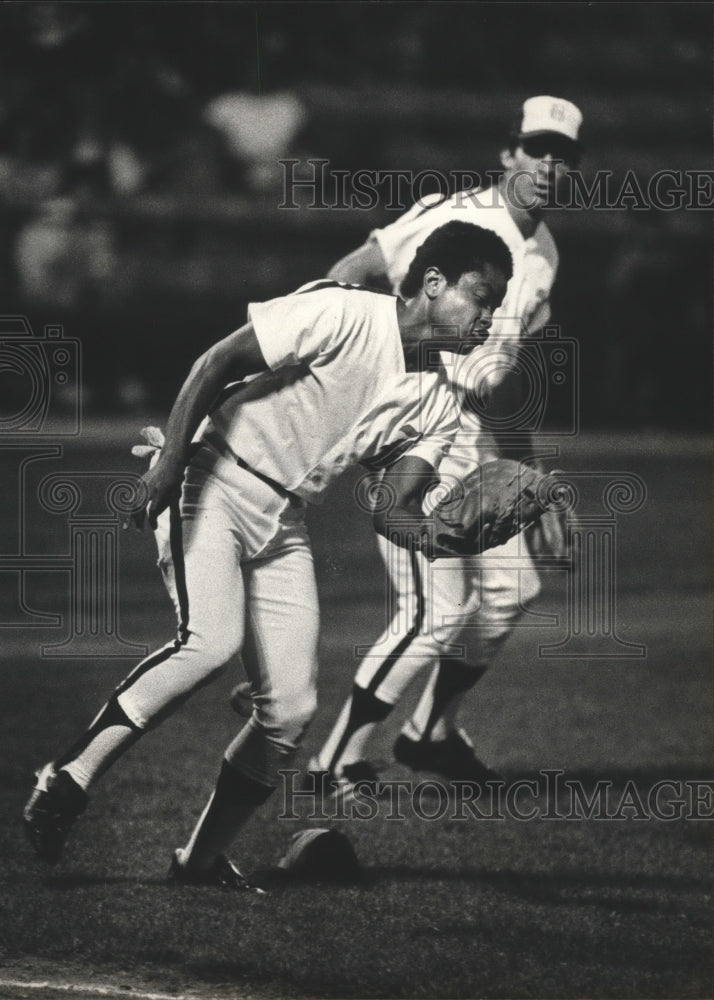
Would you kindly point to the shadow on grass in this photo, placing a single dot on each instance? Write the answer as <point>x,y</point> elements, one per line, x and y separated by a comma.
<point>619,777</point>
<point>559,888</point>
<point>82,880</point>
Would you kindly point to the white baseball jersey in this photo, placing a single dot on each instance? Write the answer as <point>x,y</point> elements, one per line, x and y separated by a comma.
<point>524,309</point>
<point>337,391</point>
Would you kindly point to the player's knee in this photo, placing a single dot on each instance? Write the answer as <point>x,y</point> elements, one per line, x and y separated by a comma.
<point>297,716</point>
<point>504,606</point>
<point>215,647</point>
<point>444,634</point>
<point>286,717</point>
<point>484,641</point>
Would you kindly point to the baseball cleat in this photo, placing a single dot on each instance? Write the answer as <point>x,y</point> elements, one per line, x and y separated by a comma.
<point>342,785</point>
<point>452,758</point>
<point>49,815</point>
<point>354,778</point>
<point>222,873</point>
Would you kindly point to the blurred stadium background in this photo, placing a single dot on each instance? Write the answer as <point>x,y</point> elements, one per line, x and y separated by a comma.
<point>140,188</point>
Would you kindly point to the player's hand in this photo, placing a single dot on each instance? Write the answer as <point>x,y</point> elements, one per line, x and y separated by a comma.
<point>157,490</point>
<point>160,487</point>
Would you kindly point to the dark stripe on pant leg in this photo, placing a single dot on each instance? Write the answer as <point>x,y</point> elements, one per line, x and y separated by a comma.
<point>111,715</point>
<point>177,557</point>
<point>391,659</point>
<point>365,707</point>
<point>151,661</point>
<point>154,661</point>
<point>412,633</point>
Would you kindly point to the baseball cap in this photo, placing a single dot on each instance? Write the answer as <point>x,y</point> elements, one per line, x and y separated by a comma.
<point>545,114</point>
<point>550,125</point>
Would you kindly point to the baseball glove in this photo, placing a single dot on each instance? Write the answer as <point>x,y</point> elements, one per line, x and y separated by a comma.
<point>491,504</point>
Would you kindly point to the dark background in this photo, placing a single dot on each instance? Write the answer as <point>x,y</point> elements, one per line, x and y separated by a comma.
<point>134,221</point>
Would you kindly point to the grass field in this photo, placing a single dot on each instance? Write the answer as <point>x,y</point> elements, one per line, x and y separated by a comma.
<point>473,908</point>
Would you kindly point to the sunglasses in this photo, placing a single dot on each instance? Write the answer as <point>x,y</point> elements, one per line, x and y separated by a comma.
<point>560,148</point>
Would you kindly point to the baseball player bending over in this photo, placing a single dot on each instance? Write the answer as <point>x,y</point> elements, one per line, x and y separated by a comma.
<point>472,602</point>
<point>314,383</point>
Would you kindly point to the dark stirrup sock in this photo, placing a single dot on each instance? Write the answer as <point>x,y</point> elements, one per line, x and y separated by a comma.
<point>365,708</point>
<point>454,678</point>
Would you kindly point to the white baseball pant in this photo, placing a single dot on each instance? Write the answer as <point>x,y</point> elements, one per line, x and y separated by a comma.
<point>238,566</point>
<point>456,608</point>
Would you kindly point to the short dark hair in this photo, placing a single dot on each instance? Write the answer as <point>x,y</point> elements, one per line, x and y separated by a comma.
<point>456,248</point>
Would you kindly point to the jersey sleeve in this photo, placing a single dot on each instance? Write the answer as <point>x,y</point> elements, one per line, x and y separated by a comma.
<point>400,240</point>
<point>540,316</point>
<point>434,448</point>
<point>296,328</point>
<point>436,443</point>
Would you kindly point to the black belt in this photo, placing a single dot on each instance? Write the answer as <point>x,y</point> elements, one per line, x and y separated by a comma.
<point>218,444</point>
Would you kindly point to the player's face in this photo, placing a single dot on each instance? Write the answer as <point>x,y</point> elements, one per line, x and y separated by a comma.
<point>536,170</point>
<point>465,309</point>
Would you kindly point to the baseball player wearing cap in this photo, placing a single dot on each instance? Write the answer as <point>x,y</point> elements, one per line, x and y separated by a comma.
<point>474,602</point>
<point>314,383</point>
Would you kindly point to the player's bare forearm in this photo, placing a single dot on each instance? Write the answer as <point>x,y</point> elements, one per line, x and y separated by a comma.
<point>229,360</point>
<point>403,520</point>
<point>364,266</point>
